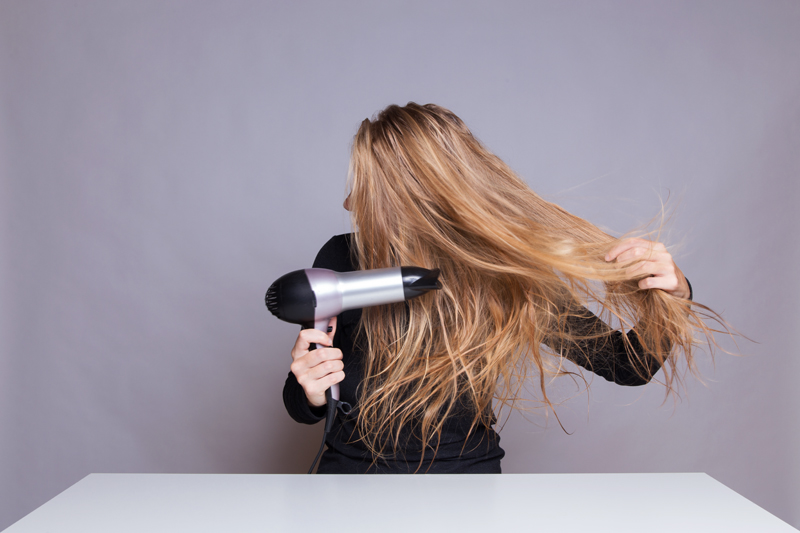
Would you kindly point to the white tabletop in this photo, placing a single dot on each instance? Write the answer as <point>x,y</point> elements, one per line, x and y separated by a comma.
<point>200,503</point>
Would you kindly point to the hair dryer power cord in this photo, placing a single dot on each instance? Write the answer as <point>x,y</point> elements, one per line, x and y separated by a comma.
<point>330,416</point>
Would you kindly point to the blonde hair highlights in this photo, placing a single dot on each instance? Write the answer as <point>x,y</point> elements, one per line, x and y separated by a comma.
<point>516,270</point>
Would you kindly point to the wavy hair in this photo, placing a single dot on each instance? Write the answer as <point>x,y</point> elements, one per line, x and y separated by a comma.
<point>515,269</point>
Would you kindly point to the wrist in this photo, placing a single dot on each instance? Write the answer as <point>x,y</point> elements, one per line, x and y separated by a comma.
<point>318,410</point>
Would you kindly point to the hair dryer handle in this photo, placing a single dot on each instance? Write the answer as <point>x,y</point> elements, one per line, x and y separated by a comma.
<point>322,325</point>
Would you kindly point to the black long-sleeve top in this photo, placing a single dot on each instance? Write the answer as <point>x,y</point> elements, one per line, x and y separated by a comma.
<point>459,450</point>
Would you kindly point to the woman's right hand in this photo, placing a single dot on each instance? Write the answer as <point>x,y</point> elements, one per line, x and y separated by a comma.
<point>317,370</point>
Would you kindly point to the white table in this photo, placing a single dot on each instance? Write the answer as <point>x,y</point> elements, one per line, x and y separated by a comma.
<point>197,503</point>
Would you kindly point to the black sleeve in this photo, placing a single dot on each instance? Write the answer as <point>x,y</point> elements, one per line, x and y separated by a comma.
<point>604,351</point>
<point>334,255</point>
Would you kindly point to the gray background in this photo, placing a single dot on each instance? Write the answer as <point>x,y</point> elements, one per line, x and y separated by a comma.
<point>163,162</point>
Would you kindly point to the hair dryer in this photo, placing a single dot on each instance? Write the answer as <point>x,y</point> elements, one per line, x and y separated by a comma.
<point>311,297</point>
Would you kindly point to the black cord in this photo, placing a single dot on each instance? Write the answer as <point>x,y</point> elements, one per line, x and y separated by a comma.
<point>319,453</point>
<point>330,416</point>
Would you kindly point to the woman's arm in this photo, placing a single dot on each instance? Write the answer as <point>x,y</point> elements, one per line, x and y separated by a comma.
<point>297,397</point>
<point>607,352</point>
<point>312,373</point>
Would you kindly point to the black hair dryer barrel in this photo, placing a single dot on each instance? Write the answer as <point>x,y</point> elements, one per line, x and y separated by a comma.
<point>311,297</point>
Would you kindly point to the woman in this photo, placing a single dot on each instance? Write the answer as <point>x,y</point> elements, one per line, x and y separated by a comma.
<point>518,275</point>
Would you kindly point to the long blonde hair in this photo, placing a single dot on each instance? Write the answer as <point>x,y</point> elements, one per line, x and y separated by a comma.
<point>515,268</point>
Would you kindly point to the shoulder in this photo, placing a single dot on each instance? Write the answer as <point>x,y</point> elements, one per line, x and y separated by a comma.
<point>336,254</point>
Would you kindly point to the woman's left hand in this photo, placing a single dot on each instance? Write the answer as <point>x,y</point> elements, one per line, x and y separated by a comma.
<point>655,266</point>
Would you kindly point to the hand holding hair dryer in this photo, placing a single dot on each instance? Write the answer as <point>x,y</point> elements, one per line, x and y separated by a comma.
<point>311,297</point>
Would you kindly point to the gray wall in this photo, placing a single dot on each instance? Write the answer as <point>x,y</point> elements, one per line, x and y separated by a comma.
<point>163,162</point>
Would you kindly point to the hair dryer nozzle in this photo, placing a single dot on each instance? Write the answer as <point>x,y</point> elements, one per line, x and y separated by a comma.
<point>417,281</point>
<point>291,298</point>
